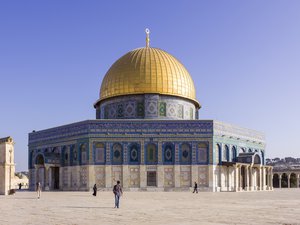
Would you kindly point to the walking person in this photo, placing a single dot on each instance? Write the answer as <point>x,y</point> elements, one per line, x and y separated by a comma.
<point>195,188</point>
<point>38,190</point>
<point>95,190</point>
<point>117,192</point>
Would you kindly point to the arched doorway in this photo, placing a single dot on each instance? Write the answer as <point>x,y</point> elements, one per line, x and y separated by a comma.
<point>284,180</point>
<point>54,178</point>
<point>275,180</point>
<point>293,181</point>
<point>257,159</point>
<point>243,180</point>
<point>40,169</point>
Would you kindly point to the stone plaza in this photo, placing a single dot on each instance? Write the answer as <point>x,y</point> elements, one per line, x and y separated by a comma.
<point>281,206</point>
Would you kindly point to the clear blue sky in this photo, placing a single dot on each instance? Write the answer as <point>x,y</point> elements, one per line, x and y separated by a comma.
<point>244,57</point>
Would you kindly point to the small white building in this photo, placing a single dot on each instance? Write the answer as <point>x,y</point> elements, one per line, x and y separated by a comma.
<point>7,165</point>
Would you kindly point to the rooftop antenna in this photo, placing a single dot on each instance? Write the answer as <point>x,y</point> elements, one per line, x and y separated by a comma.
<point>147,37</point>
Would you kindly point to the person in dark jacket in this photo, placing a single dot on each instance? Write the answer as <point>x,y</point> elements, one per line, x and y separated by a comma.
<point>117,190</point>
<point>195,188</point>
<point>95,190</point>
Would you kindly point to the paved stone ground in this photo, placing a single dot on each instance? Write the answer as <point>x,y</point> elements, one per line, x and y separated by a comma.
<point>277,207</point>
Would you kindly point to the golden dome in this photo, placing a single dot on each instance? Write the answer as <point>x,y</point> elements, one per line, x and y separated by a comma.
<point>148,71</point>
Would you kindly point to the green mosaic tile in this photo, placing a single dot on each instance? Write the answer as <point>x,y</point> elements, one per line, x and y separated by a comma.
<point>162,109</point>
<point>140,109</point>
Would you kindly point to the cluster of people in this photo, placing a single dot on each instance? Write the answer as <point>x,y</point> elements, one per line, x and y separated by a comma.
<point>117,190</point>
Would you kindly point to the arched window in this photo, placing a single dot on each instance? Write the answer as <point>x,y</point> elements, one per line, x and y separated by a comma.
<point>293,181</point>
<point>233,154</point>
<point>262,156</point>
<point>117,156</point>
<point>225,154</point>
<point>151,154</point>
<point>168,153</point>
<point>257,159</point>
<point>218,153</point>
<point>40,160</point>
<point>185,154</point>
<point>242,150</point>
<point>249,150</point>
<point>64,155</point>
<point>284,180</point>
<point>202,153</point>
<point>134,156</point>
<point>74,153</point>
<point>55,150</point>
<point>83,153</point>
<point>99,152</point>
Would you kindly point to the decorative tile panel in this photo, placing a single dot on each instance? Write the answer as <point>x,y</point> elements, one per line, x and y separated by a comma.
<point>130,109</point>
<point>168,177</point>
<point>134,177</point>
<point>100,176</point>
<point>162,109</point>
<point>185,176</point>
<point>203,176</point>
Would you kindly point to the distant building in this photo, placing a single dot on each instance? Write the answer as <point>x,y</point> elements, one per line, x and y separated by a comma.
<point>7,165</point>
<point>21,178</point>
<point>286,172</point>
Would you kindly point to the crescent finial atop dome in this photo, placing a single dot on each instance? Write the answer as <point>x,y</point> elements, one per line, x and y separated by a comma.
<point>147,37</point>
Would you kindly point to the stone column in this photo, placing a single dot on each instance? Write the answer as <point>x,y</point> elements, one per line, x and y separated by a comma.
<point>279,176</point>
<point>142,152</point>
<point>160,167</point>
<point>160,176</point>
<point>177,176</point>
<point>260,179</point>
<point>247,178</point>
<point>108,182</point>
<point>219,178</point>
<point>268,178</point>
<point>143,172</point>
<point>289,180</point>
<point>240,180</point>
<point>297,184</point>
<point>263,178</point>
<point>227,178</point>
<point>251,178</point>
<point>47,180</point>
<point>143,176</point>
<point>32,179</point>
<point>61,178</point>
<point>125,175</point>
<point>271,178</point>
<point>194,176</point>
<point>236,178</point>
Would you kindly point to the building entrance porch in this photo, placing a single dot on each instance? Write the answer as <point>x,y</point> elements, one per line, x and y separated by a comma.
<point>245,177</point>
<point>47,174</point>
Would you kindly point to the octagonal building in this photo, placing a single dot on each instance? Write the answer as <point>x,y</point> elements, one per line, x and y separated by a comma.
<point>148,135</point>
